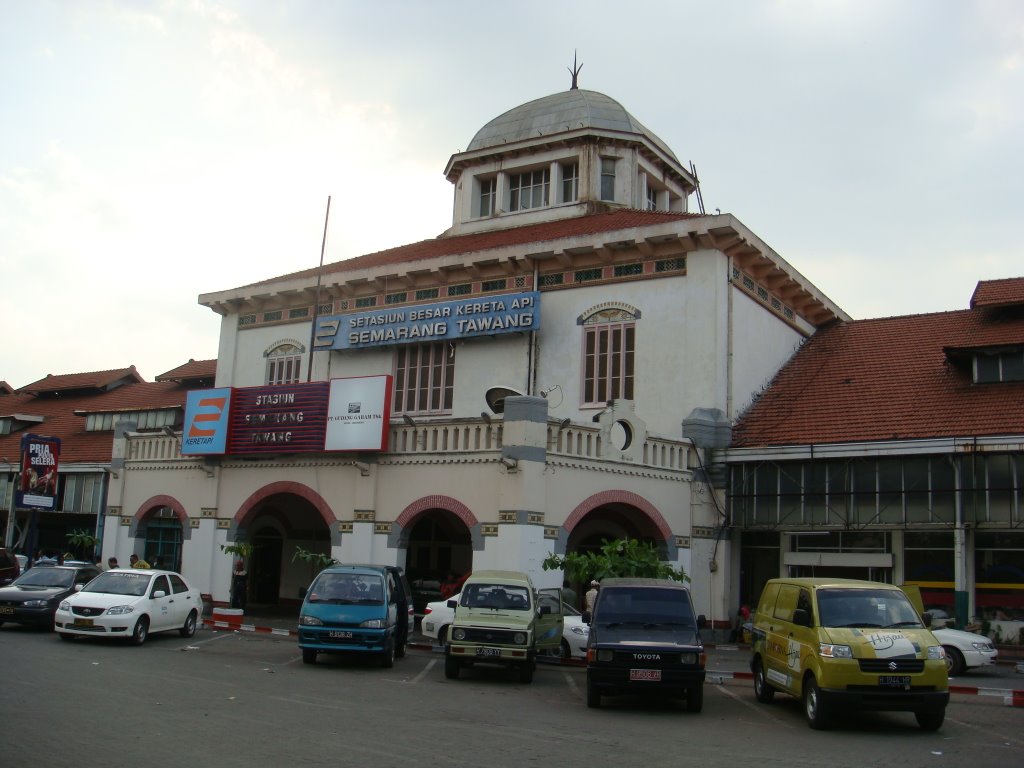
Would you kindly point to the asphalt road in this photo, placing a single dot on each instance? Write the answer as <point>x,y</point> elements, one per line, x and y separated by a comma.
<point>243,699</point>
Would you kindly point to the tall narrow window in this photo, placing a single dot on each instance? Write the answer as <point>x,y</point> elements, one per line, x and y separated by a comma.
<point>486,202</point>
<point>425,378</point>
<point>528,190</point>
<point>284,364</point>
<point>570,182</point>
<point>652,198</point>
<point>607,178</point>
<point>609,345</point>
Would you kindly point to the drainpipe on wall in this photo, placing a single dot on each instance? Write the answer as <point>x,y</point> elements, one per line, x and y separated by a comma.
<point>961,597</point>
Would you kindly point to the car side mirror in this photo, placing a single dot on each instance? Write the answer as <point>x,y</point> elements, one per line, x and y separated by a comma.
<point>926,617</point>
<point>702,621</point>
<point>78,587</point>
<point>544,610</point>
<point>451,604</point>
<point>159,593</point>
<point>801,617</point>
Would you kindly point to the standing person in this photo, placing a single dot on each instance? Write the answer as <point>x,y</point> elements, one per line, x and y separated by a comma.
<point>239,577</point>
<point>137,562</point>
<point>591,596</point>
<point>112,563</point>
<point>742,617</point>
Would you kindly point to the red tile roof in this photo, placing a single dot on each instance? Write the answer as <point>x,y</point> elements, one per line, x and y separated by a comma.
<point>888,379</point>
<point>93,380</point>
<point>193,369</point>
<point>64,415</point>
<point>482,241</point>
<point>990,293</point>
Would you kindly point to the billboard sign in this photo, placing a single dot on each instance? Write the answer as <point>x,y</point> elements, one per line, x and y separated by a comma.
<point>37,481</point>
<point>424,323</point>
<point>206,422</point>
<point>283,418</point>
<point>358,414</point>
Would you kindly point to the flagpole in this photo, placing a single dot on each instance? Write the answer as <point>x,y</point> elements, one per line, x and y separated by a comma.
<point>316,305</point>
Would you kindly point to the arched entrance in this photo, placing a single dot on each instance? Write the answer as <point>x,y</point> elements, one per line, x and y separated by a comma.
<point>438,541</point>
<point>277,521</point>
<point>160,527</point>
<point>615,515</point>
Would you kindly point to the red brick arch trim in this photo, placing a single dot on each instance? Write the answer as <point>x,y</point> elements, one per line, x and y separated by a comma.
<point>418,507</point>
<point>618,497</point>
<point>156,502</point>
<point>296,489</point>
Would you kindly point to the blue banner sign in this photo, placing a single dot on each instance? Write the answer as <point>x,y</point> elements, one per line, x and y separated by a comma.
<point>423,323</point>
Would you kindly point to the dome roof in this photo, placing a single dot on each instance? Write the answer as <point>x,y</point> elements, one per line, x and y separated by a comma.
<point>567,111</point>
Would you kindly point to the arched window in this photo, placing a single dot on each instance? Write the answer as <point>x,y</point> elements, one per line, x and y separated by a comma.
<point>609,346</point>
<point>284,362</point>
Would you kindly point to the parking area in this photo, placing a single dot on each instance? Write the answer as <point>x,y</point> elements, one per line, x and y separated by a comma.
<point>224,695</point>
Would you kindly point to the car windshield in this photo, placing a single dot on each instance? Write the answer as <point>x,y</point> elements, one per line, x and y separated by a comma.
<point>505,597</point>
<point>116,583</point>
<point>888,608</point>
<point>347,589</point>
<point>46,577</point>
<point>644,606</point>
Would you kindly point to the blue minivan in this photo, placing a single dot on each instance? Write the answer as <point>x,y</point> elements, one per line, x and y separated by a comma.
<point>356,609</point>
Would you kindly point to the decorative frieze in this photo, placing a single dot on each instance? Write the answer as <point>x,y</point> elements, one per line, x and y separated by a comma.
<point>382,528</point>
<point>489,529</point>
<point>683,542</point>
<point>208,512</point>
<point>346,527</point>
<point>550,531</point>
<point>703,532</point>
<point>365,515</point>
<point>223,524</point>
<point>193,522</point>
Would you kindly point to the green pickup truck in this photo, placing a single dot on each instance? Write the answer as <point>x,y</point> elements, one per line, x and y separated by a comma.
<point>501,619</point>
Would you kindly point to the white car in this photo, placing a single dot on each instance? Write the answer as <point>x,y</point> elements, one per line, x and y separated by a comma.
<point>438,616</point>
<point>130,603</point>
<point>965,650</point>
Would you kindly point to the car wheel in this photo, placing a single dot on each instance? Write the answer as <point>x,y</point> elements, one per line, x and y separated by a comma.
<point>189,627</point>
<point>593,696</point>
<point>695,699</point>
<point>141,631</point>
<point>451,667</point>
<point>387,659</point>
<point>763,692</point>
<point>526,673</point>
<point>954,661</point>
<point>814,708</point>
<point>930,721</point>
<point>308,656</point>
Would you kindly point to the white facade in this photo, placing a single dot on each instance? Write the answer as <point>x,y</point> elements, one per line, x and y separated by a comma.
<point>704,311</point>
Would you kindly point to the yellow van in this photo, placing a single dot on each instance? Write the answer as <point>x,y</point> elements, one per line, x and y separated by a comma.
<point>845,644</point>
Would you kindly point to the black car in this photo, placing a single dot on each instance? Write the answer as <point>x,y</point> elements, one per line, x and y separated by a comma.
<point>645,641</point>
<point>34,596</point>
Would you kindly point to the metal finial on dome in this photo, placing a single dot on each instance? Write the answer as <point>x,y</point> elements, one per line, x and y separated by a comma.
<point>575,72</point>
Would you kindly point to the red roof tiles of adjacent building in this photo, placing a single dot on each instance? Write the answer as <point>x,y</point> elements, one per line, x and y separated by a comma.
<point>73,381</point>
<point>193,369</point>
<point>482,241</point>
<point>990,293</point>
<point>64,415</point>
<point>889,379</point>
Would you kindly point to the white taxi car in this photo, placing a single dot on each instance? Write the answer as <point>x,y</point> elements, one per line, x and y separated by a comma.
<point>130,603</point>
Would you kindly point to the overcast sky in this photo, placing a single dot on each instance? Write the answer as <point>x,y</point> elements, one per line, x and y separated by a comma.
<point>154,151</point>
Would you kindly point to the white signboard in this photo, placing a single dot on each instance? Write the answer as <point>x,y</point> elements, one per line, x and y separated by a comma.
<point>358,413</point>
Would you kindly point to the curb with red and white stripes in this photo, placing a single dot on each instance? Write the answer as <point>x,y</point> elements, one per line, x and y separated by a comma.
<point>230,625</point>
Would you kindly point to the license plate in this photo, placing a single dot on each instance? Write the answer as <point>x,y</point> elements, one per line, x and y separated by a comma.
<point>6,609</point>
<point>82,623</point>
<point>338,634</point>
<point>488,652</point>
<point>894,681</point>
<point>650,675</point>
